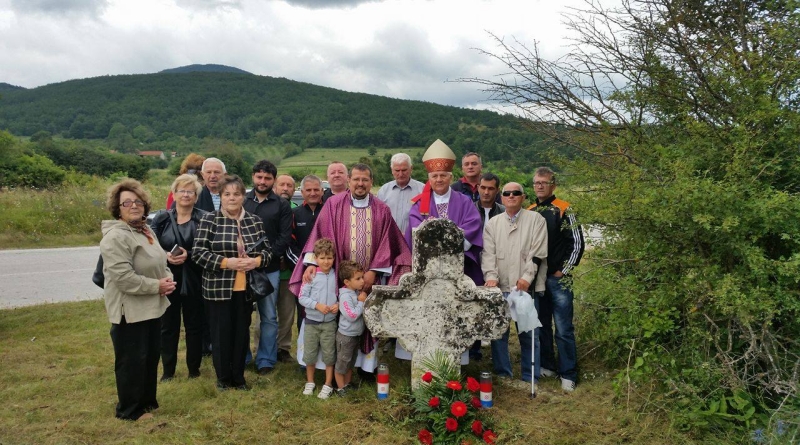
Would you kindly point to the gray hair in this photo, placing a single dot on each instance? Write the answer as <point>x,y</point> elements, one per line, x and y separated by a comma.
<point>203,167</point>
<point>309,178</point>
<point>521,188</point>
<point>399,158</point>
<point>545,171</point>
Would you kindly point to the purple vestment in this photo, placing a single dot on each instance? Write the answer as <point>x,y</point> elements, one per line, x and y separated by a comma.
<point>462,211</point>
<point>388,245</point>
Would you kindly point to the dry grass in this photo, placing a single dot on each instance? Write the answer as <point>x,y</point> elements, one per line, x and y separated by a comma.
<point>57,380</point>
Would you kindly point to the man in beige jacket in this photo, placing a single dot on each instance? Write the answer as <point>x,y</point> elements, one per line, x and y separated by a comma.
<point>514,256</point>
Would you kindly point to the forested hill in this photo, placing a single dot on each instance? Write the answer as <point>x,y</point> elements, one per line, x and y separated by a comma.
<point>249,107</point>
<point>8,87</point>
<point>209,68</point>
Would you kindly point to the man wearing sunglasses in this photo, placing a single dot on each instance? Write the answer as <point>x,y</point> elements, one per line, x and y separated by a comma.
<point>514,248</point>
<point>564,251</point>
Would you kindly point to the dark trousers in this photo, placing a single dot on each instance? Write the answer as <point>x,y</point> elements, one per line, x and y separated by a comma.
<point>205,327</point>
<point>136,347</point>
<point>192,308</point>
<point>230,325</point>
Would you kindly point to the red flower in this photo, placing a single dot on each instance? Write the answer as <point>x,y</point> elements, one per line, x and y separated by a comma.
<point>489,437</point>
<point>473,384</point>
<point>458,408</point>
<point>476,403</point>
<point>427,377</point>
<point>477,427</point>
<point>451,424</point>
<point>454,385</point>
<point>433,402</point>
<point>425,437</point>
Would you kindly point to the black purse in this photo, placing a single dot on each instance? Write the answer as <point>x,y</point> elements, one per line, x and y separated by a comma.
<point>97,277</point>
<point>258,284</point>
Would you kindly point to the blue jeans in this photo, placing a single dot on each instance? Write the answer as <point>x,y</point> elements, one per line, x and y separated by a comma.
<point>556,305</point>
<point>501,359</point>
<point>267,354</point>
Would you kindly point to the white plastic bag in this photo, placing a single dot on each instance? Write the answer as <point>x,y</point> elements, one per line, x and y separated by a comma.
<point>523,311</point>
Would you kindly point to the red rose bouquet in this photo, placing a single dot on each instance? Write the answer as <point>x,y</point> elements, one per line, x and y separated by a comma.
<point>447,406</point>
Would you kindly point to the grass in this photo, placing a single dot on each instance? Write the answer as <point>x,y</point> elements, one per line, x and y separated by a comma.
<point>316,160</point>
<point>64,217</point>
<point>58,387</point>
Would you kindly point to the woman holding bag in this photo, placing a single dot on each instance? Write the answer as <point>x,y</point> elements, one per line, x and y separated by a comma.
<point>230,245</point>
<point>175,229</point>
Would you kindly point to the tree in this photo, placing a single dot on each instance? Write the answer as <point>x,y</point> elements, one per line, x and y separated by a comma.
<point>143,133</point>
<point>685,115</point>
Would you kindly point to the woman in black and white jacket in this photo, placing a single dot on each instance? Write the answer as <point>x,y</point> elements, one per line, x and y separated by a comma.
<point>220,248</point>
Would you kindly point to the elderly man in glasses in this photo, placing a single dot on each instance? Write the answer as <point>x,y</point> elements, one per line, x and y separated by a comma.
<point>563,254</point>
<point>514,256</point>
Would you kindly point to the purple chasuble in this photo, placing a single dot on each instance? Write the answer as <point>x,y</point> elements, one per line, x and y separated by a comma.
<point>367,235</point>
<point>462,211</point>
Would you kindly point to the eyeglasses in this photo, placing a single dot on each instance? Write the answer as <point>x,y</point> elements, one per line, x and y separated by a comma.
<point>185,192</point>
<point>128,203</point>
<point>542,184</point>
<point>513,193</point>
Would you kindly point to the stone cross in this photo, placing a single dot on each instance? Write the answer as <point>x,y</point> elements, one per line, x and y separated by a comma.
<point>436,306</point>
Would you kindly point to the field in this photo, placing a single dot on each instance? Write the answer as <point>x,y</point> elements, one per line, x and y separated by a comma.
<point>57,380</point>
<point>316,160</point>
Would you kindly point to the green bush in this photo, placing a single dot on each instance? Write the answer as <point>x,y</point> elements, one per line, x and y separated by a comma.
<point>34,171</point>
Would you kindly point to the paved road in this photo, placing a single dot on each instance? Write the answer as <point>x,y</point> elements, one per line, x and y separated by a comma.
<point>37,276</point>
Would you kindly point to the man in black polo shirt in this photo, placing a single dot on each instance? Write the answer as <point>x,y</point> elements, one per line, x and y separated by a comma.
<point>276,215</point>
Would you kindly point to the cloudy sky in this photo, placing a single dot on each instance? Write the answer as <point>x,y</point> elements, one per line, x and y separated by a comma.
<point>398,48</point>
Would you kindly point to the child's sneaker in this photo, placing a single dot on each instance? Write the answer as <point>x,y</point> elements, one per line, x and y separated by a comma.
<point>342,392</point>
<point>325,392</point>
<point>309,389</point>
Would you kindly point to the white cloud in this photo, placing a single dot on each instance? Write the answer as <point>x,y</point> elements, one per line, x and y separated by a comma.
<point>398,48</point>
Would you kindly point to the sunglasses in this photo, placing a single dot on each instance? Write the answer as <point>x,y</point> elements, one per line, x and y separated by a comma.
<point>513,193</point>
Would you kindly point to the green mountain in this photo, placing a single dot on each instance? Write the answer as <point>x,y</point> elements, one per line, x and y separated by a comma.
<point>209,68</point>
<point>245,107</point>
<point>8,87</point>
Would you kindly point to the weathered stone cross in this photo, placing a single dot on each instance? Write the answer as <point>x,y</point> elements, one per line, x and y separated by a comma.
<point>436,306</point>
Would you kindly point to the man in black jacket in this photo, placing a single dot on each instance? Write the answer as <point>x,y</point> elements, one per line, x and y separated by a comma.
<point>564,250</point>
<point>304,217</point>
<point>212,171</point>
<point>488,206</point>
<point>487,203</point>
<point>276,215</point>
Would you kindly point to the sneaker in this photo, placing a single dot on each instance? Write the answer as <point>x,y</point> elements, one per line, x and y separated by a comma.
<point>342,392</point>
<point>567,385</point>
<point>324,393</point>
<point>548,372</point>
<point>309,389</point>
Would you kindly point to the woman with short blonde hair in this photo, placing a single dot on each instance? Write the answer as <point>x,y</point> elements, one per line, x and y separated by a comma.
<point>176,229</point>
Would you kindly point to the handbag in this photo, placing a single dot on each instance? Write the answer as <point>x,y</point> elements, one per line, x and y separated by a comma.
<point>258,284</point>
<point>97,277</point>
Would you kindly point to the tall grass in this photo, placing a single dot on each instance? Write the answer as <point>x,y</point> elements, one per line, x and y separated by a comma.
<point>69,215</point>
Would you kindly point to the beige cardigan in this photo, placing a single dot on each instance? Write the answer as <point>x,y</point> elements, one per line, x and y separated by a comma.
<point>132,267</point>
<point>508,250</point>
